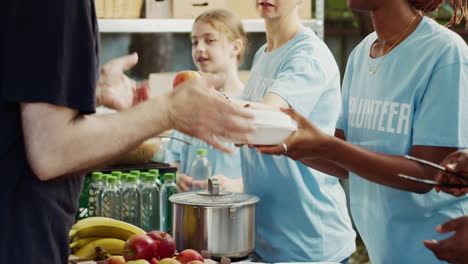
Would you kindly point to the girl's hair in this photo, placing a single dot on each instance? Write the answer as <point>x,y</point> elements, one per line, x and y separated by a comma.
<point>460,9</point>
<point>227,23</point>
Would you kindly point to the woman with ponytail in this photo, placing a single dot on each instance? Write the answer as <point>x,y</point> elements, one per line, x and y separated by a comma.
<point>405,92</point>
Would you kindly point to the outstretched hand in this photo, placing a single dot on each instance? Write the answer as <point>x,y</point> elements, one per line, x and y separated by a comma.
<point>456,162</point>
<point>306,143</point>
<point>225,184</point>
<point>453,249</point>
<point>196,109</point>
<point>117,91</point>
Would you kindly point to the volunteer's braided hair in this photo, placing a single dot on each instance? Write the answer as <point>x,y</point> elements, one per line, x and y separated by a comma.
<point>460,9</point>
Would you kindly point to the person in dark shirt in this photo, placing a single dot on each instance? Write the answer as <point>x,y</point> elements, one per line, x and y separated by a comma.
<point>49,134</point>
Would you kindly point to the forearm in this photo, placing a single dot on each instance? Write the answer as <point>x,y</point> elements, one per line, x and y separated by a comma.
<point>69,143</point>
<point>327,167</point>
<point>238,185</point>
<point>257,106</point>
<point>382,168</point>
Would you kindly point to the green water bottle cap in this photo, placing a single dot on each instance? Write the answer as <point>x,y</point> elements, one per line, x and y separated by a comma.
<point>150,178</point>
<point>105,176</point>
<point>112,180</point>
<point>154,171</point>
<point>124,176</point>
<point>202,152</point>
<point>169,176</point>
<point>135,172</point>
<point>96,175</point>
<point>116,173</point>
<point>143,175</point>
<point>131,178</point>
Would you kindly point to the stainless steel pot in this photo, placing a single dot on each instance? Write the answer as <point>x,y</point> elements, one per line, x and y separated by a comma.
<point>222,223</point>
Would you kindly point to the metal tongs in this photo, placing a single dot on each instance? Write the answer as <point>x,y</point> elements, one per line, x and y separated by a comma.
<point>432,182</point>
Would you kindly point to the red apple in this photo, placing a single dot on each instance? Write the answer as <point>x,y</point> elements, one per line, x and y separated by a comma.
<point>185,76</point>
<point>165,243</point>
<point>188,255</point>
<point>154,261</point>
<point>139,247</point>
<point>114,260</point>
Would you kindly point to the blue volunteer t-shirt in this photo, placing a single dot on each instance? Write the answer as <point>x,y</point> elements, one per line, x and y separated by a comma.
<point>417,96</point>
<point>302,214</point>
<point>228,165</point>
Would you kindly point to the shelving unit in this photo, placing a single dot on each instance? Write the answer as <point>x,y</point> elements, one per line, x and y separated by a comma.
<point>185,25</point>
<point>175,25</point>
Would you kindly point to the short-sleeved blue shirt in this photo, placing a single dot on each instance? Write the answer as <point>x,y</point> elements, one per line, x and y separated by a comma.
<point>302,215</point>
<point>417,96</point>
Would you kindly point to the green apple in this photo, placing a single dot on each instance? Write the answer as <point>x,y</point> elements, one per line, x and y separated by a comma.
<point>138,261</point>
<point>168,261</point>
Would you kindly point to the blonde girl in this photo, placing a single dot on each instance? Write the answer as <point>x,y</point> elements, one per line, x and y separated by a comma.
<point>218,45</point>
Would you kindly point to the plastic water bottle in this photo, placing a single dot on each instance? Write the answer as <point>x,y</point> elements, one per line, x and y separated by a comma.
<point>131,202</point>
<point>200,169</point>
<point>150,204</point>
<point>95,190</point>
<point>155,172</point>
<point>112,199</point>
<point>143,176</point>
<point>104,179</point>
<point>169,188</point>
<point>137,174</point>
<point>123,181</point>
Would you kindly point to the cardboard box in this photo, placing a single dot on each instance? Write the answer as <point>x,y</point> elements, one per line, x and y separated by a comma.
<point>190,9</point>
<point>246,9</point>
<point>159,9</point>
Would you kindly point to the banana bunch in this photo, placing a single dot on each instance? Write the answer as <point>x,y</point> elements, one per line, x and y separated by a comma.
<point>100,232</point>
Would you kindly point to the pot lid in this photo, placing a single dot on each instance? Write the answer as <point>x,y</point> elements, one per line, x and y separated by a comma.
<point>213,197</point>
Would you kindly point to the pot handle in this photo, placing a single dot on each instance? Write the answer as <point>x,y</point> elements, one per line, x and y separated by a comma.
<point>232,212</point>
<point>213,186</point>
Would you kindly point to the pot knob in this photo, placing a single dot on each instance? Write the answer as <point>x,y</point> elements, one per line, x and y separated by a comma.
<point>213,186</point>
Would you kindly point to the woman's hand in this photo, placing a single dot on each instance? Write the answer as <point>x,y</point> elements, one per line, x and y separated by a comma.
<point>456,162</point>
<point>453,249</point>
<point>115,90</point>
<point>307,143</point>
<point>225,184</point>
<point>184,182</point>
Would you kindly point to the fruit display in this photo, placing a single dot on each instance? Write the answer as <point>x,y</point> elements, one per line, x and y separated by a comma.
<point>168,261</point>
<point>110,245</point>
<point>114,260</point>
<point>139,247</point>
<point>139,261</point>
<point>105,228</point>
<point>106,234</point>
<point>189,255</point>
<point>165,243</point>
<point>116,242</point>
